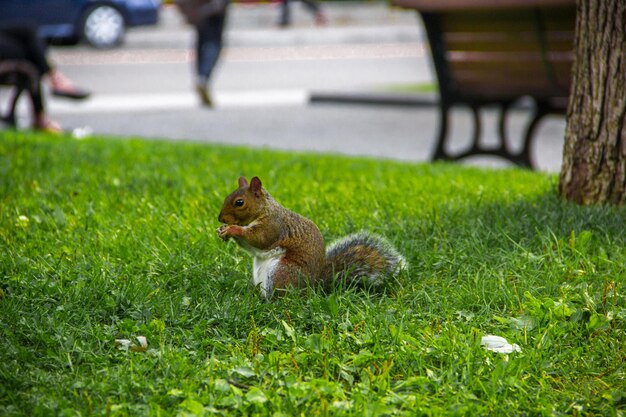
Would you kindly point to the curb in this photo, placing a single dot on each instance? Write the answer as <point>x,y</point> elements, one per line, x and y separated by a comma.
<point>375,99</point>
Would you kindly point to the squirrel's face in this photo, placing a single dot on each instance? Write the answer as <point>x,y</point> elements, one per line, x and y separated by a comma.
<point>242,206</point>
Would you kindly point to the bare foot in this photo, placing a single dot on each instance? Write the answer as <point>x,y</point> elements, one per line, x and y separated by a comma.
<point>44,123</point>
<point>321,19</point>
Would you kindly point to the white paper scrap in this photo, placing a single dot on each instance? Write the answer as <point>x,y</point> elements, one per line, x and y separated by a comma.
<point>499,344</point>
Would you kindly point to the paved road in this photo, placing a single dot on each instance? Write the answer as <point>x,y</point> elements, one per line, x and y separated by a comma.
<point>263,84</point>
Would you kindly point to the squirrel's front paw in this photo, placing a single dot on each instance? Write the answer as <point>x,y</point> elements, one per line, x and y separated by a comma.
<point>222,232</point>
<point>229,230</point>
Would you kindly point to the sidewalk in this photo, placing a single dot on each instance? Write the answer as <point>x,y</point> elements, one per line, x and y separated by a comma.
<point>255,25</point>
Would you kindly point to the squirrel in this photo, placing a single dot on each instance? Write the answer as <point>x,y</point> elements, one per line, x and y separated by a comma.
<point>288,249</point>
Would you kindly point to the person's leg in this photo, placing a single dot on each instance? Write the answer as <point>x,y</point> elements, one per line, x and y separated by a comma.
<point>22,42</point>
<point>312,5</point>
<point>10,48</point>
<point>42,121</point>
<point>316,9</point>
<point>14,45</point>
<point>285,13</point>
<point>25,39</point>
<point>208,49</point>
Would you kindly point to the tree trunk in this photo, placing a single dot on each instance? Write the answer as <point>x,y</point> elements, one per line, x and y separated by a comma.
<point>594,156</point>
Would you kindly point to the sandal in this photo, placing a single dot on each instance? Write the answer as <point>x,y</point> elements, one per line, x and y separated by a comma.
<point>75,94</point>
<point>61,86</point>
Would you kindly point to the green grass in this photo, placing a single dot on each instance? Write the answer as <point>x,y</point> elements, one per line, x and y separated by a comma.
<point>412,88</point>
<point>105,239</point>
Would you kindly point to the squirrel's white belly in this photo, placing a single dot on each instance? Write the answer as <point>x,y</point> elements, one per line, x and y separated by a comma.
<point>264,265</point>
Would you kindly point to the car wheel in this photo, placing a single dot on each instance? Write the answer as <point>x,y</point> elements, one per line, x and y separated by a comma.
<point>103,26</point>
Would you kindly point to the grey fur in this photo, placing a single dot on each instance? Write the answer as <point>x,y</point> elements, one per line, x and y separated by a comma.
<point>395,262</point>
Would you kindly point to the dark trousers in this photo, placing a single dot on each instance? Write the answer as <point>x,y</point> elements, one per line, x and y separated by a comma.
<point>21,42</point>
<point>285,13</point>
<point>209,45</point>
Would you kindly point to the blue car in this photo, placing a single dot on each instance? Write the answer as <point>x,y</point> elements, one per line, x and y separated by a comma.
<point>101,23</point>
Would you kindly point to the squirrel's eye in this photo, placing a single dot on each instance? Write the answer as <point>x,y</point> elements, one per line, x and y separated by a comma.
<point>239,203</point>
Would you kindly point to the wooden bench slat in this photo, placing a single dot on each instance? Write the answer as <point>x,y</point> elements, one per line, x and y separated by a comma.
<point>489,42</point>
<point>508,88</point>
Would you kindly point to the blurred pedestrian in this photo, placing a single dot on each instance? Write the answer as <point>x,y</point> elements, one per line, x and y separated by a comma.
<point>20,42</point>
<point>208,17</point>
<point>313,5</point>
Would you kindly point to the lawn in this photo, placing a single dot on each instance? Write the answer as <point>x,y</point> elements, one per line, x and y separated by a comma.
<point>105,239</point>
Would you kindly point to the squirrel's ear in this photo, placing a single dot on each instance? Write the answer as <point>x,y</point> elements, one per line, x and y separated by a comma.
<point>243,182</point>
<point>255,186</point>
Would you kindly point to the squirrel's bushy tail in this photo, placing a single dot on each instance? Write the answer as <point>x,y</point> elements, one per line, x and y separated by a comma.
<point>363,257</point>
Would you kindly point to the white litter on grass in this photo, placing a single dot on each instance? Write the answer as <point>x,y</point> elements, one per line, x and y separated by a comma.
<point>499,344</point>
<point>82,132</point>
<point>123,343</point>
<point>140,346</point>
<point>143,342</point>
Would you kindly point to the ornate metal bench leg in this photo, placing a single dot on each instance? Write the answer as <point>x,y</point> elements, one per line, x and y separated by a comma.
<point>440,147</point>
<point>502,135</point>
<point>476,148</point>
<point>21,76</point>
<point>525,155</point>
<point>11,117</point>
<point>521,158</point>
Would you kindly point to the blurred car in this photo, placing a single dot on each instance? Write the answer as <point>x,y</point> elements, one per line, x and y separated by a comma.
<point>101,23</point>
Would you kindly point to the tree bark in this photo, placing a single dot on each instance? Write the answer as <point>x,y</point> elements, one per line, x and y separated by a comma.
<point>594,155</point>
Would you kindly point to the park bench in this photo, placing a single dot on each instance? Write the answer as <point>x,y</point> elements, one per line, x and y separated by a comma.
<point>19,76</point>
<point>493,53</point>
